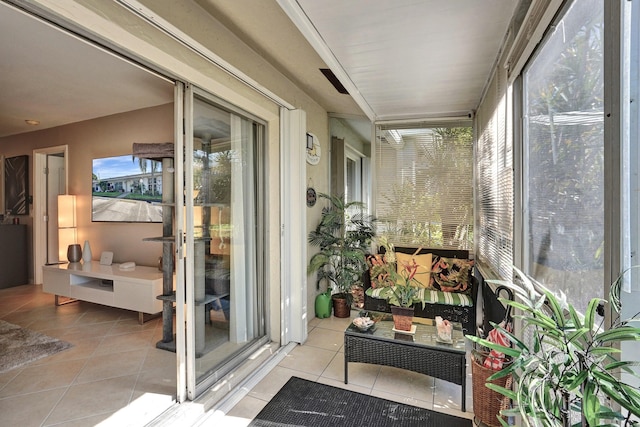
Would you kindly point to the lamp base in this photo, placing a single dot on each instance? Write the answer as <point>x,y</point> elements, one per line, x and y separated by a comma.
<point>74,253</point>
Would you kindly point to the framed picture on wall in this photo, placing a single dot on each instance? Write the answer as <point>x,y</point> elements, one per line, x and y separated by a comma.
<point>16,185</point>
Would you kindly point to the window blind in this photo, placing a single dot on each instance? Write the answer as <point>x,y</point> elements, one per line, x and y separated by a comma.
<point>424,184</point>
<point>494,179</point>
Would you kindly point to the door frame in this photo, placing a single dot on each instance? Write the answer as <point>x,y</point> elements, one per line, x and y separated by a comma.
<point>40,203</point>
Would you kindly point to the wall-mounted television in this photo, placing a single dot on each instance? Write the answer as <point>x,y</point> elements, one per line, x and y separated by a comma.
<point>126,189</point>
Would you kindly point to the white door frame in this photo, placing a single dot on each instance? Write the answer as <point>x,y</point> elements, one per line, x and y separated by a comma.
<point>293,240</point>
<point>40,203</point>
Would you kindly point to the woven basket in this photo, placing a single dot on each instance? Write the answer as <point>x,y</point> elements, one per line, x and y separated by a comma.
<point>487,403</point>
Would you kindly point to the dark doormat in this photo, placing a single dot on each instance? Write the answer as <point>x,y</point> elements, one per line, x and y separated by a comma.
<point>305,403</point>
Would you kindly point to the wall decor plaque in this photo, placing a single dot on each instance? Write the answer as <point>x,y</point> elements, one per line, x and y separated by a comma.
<point>16,185</point>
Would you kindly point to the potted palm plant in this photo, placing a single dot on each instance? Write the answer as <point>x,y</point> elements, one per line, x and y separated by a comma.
<point>343,235</point>
<point>569,364</point>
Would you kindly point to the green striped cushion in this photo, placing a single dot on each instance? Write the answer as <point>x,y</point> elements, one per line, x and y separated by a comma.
<point>428,296</point>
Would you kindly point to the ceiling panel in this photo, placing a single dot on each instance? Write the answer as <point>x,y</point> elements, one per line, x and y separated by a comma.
<point>412,58</point>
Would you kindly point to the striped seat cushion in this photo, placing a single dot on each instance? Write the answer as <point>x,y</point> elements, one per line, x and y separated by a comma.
<point>428,296</point>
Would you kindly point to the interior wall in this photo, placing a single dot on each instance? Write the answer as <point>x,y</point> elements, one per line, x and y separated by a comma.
<point>102,137</point>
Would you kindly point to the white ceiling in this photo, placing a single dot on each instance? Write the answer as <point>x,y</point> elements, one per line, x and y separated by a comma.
<point>399,59</point>
<point>408,58</point>
<point>49,76</point>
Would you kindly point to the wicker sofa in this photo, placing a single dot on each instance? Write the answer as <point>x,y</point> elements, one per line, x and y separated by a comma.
<point>464,314</point>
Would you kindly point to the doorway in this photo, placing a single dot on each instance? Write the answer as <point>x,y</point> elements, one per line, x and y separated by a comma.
<point>49,180</point>
<point>225,307</point>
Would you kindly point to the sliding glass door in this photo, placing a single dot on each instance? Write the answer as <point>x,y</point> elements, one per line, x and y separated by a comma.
<point>225,291</point>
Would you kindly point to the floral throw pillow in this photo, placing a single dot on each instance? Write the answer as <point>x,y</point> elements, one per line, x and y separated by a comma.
<point>424,262</point>
<point>451,274</point>
<point>378,271</point>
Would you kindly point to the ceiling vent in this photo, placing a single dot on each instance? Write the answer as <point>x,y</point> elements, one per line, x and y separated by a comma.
<point>334,80</point>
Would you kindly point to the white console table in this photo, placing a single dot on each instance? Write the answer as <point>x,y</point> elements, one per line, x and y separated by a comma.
<point>135,289</point>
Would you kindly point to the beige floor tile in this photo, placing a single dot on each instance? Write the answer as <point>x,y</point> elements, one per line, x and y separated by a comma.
<point>404,383</point>
<point>99,314</point>
<point>87,330</point>
<point>335,323</point>
<point>26,316</point>
<point>246,409</point>
<point>102,420</point>
<point>143,408</point>
<point>80,350</point>
<point>6,377</point>
<point>42,377</point>
<point>362,374</point>
<point>127,326</point>
<point>111,365</point>
<point>94,398</point>
<point>159,359</point>
<point>124,342</point>
<point>55,322</point>
<point>313,323</point>
<point>43,304</point>
<point>407,400</point>
<point>340,384</point>
<point>274,380</point>
<point>326,339</point>
<point>307,359</point>
<point>160,382</point>
<point>448,395</point>
<point>31,410</point>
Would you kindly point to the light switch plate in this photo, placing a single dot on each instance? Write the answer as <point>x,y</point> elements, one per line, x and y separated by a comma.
<point>106,258</point>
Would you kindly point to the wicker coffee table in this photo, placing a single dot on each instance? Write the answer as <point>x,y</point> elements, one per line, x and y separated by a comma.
<point>420,352</point>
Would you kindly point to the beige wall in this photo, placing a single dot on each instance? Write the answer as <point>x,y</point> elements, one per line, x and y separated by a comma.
<point>102,137</point>
<point>352,139</point>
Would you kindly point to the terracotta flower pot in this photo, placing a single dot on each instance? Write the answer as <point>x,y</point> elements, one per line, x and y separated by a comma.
<point>402,317</point>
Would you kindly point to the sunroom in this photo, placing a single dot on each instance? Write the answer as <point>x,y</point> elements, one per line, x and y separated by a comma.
<point>517,144</point>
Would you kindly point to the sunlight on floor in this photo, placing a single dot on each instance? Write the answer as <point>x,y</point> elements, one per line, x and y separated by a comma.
<point>140,411</point>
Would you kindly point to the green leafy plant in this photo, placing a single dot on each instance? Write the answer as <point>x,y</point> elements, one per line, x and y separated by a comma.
<point>343,235</point>
<point>569,364</point>
<point>399,289</point>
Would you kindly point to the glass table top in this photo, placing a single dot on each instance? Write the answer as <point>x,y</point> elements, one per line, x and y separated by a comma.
<point>425,332</point>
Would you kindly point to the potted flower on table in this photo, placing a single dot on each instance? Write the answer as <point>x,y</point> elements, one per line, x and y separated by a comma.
<point>399,286</point>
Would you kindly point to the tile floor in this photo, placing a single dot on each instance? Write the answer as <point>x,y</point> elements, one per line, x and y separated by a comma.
<point>114,375</point>
<point>321,359</point>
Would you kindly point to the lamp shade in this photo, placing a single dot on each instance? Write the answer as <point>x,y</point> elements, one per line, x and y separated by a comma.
<point>66,237</point>
<point>66,211</point>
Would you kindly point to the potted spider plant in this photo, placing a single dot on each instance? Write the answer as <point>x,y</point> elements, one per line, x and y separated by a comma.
<point>343,235</point>
<point>569,366</point>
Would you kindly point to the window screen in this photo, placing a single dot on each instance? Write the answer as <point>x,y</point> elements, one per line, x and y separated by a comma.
<point>564,156</point>
<point>424,185</point>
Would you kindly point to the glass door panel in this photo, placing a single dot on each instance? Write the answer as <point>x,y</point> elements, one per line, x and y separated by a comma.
<point>225,295</point>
